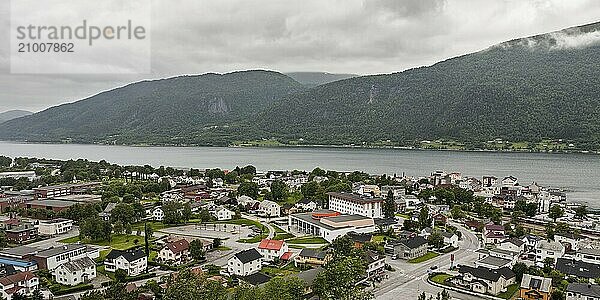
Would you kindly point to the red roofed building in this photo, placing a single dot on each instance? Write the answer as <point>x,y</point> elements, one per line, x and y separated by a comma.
<point>176,252</point>
<point>23,283</point>
<point>272,249</point>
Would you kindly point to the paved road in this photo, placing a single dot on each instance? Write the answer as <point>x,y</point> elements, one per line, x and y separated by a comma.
<point>410,280</point>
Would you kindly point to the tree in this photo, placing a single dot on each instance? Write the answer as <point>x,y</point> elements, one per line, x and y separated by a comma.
<point>389,206</point>
<point>5,161</point>
<point>581,211</point>
<point>216,243</point>
<point>172,212</point>
<point>37,295</point>
<point>120,275</point>
<point>249,189</point>
<point>148,233</point>
<point>118,227</point>
<point>186,214</point>
<point>457,212</point>
<point>555,212</point>
<point>519,269</point>
<point>187,285</point>
<point>548,264</point>
<point>436,239</point>
<point>424,219</point>
<point>123,212</point>
<point>279,190</point>
<point>338,280</point>
<point>197,250</point>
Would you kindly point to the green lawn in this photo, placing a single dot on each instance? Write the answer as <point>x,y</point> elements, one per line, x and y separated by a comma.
<point>255,239</point>
<point>307,240</point>
<point>405,216</point>
<point>154,224</point>
<point>222,248</point>
<point>289,269</point>
<point>283,236</point>
<point>510,291</point>
<point>245,222</point>
<point>153,255</point>
<point>296,247</point>
<point>440,278</point>
<point>423,258</point>
<point>378,238</point>
<point>118,241</point>
<point>277,228</point>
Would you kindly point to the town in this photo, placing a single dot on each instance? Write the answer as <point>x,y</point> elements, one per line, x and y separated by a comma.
<point>87,230</point>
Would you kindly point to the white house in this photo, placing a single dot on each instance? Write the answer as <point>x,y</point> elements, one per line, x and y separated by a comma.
<point>269,208</point>
<point>222,213</point>
<point>450,239</point>
<point>352,204</point>
<point>23,283</point>
<point>588,255</point>
<point>105,214</point>
<point>53,257</point>
<point>571,241</point>
<point>306,205</point>
<point>375,264</point>
<point>55,226</point>
<point>548,249</point>
<point>272,249</point>
<point>158,214</point>
<point>76,271</point>
<point>513,244</point>
<point>245,263</point>
<point>484,280</point>
<point>176,252</point>
<point>134,261</point>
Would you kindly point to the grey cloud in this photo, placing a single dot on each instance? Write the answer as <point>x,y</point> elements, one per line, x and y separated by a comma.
<point>346,36</point>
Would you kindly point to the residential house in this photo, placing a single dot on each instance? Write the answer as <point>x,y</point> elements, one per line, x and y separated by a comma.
<point>583,291</point>
<point>535,287</point>
<point>531,241</point>
<point>76,271</point>
<point>245,263</point>
<point>484,280</point>
<point>158,214</point>
<point>512,244</point>
<point>359,239</point>
<point>55,226</point>
<point>410,248</point>
<point>375,264</point>
<point>105,214</point>
<point>570,240</point>
<point>176,252</point>
<point>306,205</point>
<point>578,268</point>
<point>548,249</point>
<point>494,263</point>
<point>272,249</point>
<point>493,234</point>
<point>221,213</point>
<point>21,233</point>
<point>589,255</point>
<point>268,208</point>
<point>308,278</point>
<point>314,257</point>
<point>22,283</point>
<point>133,261</point>
<point>450,239</point>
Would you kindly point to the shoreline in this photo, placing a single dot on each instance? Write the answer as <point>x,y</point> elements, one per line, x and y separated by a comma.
<point>314,146</point>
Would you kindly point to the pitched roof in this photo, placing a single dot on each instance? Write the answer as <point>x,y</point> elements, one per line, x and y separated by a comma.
<point>515,241</point>
<point>537,283</point>
<point>312,253</point>
<point>129,255</point>
<point>487,273</point>
<point>584,289</point>
<point>590,251</point>
<point>247,256</point>
<point>494,227</point>
<point>360,237</point>
<point>78,264</point>
<point>287,255</point>
<point>494,261</point>
<point>178,246</point>
<point>578,268</point>
<point>550,245</point>
<point>257,278</point>
<point>414,242</point>
<point>271,244</point>
<point>309,276</point>
<point>16,278</point>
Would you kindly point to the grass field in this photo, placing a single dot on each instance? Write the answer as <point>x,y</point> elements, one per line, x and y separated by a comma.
<point>307,240</point>
<point>118,241</point>
<point>154,224</point>
<point>424,258</point>
<point>510,291</point>
<point>440,278</point>
<point>288,269</point>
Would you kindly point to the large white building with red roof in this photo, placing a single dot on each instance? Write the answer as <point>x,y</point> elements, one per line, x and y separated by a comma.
<point>272,249</point>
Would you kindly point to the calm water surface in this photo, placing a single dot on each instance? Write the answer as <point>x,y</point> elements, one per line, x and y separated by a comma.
<point>578,173</point>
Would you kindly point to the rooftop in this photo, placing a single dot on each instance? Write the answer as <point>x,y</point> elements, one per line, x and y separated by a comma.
<point>537,283</point>
<point>354,198</point>
<point>247,256</point>
<point>494,261</point>
<point>271,244</point>
<point>52,203</point>
<point>584,289</point>
<point>60,250</point>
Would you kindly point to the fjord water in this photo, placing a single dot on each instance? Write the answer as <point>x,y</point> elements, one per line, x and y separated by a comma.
<point>579,174</point>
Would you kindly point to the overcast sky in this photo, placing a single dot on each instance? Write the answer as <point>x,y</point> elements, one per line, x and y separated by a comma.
<point>349,36</point>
